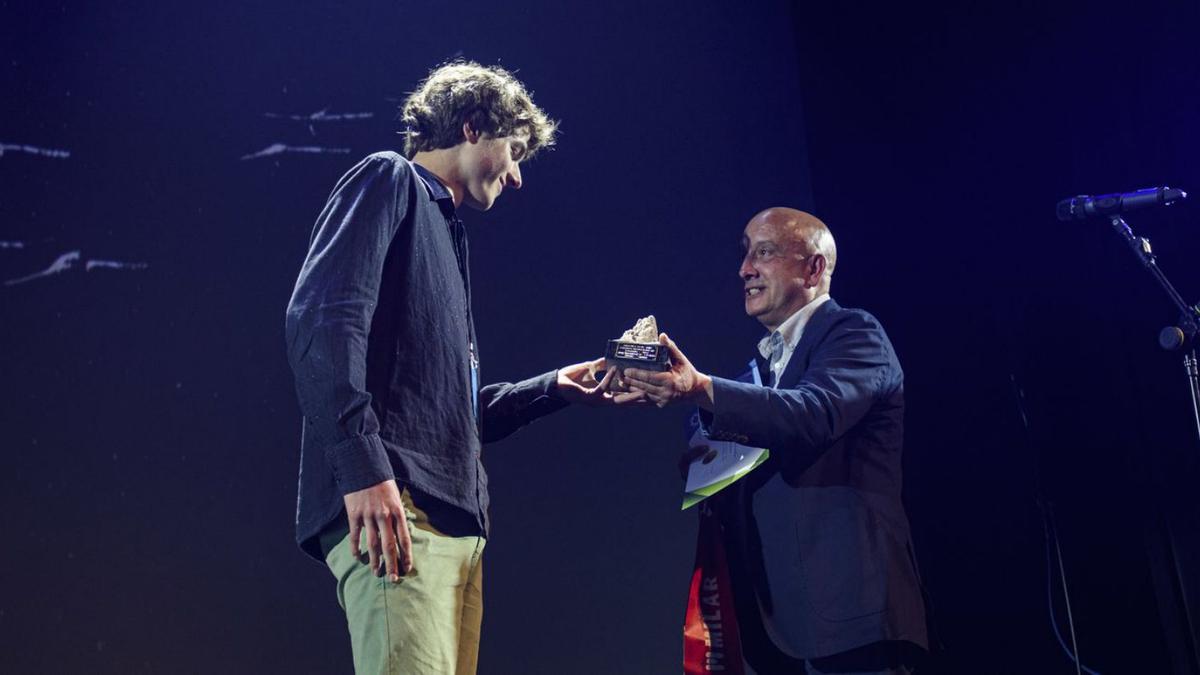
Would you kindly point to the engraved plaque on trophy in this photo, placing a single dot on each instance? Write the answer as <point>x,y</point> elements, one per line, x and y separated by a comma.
<point>638,347</point>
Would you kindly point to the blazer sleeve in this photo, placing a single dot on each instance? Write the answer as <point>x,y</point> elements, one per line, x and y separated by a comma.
<point>329,318</point>
<point>849,370</point>
<point>506,407</point>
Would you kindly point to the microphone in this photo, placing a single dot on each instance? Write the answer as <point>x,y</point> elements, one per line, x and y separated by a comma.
<point>1084,207</point>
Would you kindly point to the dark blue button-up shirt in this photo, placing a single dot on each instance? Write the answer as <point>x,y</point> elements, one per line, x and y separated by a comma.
<point>381,341</point>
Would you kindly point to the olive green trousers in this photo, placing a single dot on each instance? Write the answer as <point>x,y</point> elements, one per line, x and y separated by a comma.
<point>428,622</point>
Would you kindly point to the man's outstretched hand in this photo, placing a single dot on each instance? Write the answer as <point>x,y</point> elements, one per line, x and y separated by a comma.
<point>681,384</point>
<point>378,511</point>
<point>578,384</point>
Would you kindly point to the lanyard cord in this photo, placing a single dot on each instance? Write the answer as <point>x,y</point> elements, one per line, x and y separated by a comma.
<point>462,254</point>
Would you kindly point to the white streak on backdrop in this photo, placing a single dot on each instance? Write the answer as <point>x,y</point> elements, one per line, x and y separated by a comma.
<point>280,148</point>
<point>32,150</point>
<point>321,116</point>
<point>68,261</point>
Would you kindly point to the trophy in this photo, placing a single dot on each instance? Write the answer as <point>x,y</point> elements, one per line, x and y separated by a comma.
<point>638,347</point>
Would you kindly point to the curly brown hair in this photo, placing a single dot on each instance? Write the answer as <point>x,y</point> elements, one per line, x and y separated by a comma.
<point>489,97</point>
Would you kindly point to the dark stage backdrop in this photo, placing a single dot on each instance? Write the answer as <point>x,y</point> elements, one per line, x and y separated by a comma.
<point>941,137</point>
<point>153,167</point>
<point>150,432</point>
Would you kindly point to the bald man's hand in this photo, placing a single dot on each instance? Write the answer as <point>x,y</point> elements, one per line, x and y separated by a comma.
<point>681,384</point>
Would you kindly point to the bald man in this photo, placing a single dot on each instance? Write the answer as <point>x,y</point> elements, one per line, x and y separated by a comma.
<point>820,558</point>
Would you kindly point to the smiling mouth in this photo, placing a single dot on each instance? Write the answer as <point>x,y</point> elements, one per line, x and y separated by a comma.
<point>753,291</point>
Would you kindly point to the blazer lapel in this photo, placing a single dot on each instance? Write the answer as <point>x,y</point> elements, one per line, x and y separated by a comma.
<point>814,331</point>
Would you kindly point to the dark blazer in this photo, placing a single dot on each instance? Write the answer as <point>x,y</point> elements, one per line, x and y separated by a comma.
<point>819,542</point>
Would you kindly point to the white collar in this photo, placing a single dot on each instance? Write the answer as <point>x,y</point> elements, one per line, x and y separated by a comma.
<point>793,327</point>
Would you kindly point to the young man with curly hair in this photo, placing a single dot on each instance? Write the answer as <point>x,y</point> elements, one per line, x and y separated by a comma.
<point>393,496</point>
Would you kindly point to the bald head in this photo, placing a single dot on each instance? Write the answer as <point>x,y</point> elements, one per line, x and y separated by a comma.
<point>789,261</point>
<point>804,234</point>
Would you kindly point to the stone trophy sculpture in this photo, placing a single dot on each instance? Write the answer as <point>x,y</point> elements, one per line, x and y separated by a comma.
<point>638,347</point>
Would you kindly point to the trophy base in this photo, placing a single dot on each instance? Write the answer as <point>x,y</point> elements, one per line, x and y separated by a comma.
<point>643,355</point>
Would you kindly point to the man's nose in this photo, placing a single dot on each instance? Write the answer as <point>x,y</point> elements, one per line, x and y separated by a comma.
<point>514,177</point>
<point>747,271</point>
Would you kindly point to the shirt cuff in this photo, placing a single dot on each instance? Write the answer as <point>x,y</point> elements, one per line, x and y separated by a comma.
<point>550,399</point>
<point>359,463</point>
<point>549,385</point>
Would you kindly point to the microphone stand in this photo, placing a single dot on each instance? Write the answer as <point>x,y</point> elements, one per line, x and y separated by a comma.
<point>1171,337</point>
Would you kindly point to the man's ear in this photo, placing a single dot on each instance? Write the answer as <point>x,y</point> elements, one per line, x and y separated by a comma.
<point>817,269</point>
<point>470,134</point>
